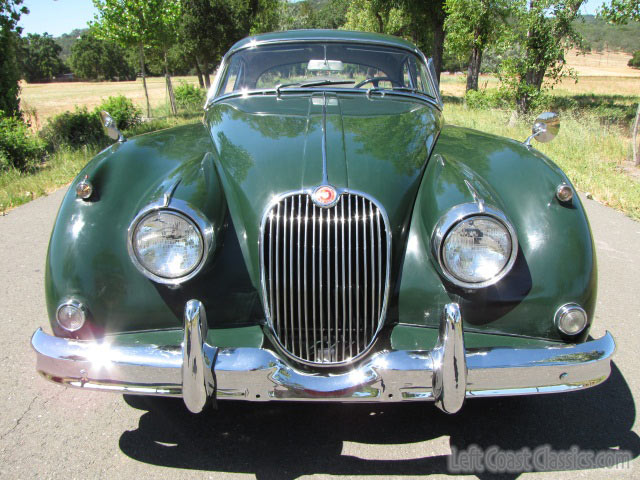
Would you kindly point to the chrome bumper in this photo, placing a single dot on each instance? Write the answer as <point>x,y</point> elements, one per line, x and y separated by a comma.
<point>200,372</point>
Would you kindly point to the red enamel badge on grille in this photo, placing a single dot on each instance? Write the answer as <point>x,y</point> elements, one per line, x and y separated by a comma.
<point>324,196</point>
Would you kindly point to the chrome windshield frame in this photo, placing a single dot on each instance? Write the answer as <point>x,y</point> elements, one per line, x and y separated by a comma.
<point>214,96</point>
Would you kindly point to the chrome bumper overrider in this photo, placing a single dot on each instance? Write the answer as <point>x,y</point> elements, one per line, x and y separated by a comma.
<point>200,372</point>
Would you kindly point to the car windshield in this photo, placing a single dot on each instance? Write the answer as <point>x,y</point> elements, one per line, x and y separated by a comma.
<point>340,65</point>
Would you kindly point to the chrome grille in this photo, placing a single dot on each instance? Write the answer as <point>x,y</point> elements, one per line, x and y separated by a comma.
<point>325,274</point>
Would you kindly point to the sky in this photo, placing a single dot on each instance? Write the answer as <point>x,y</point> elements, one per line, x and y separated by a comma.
<point>61,16</point>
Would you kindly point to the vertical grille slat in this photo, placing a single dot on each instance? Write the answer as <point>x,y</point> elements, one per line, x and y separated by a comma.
<point>326,274</point>
<point>306,249</point>
<point>372,265</point>
<point>321,282</point>
<point>357,291</point>
<point>344,289</point>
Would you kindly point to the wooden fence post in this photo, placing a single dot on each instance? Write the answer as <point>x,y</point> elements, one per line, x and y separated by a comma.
<point>635,140</point>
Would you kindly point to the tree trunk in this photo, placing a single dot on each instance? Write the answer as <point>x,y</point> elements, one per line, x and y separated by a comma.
<point>144,78</point>
<point>380,22</point>
<point>207,78</point>
<point>198,71</point>
<point>438,45</point>
<point>473,72</point>
<point>530,84</point>
<point>172,98</point>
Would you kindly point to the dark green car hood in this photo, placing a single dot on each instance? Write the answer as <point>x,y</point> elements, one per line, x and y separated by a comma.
<point>268,146</point>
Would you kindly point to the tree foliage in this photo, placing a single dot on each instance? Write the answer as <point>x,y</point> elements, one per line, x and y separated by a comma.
<point>379,16</point>
<point>96,59</point>
<point>621,11</point>
<point>600,35</point>
<point>40,58</point>
<point>542,30</point>
<point>472,26</point>
<point>207,28</point>
<point>139,23</point>
<point>10,11</point>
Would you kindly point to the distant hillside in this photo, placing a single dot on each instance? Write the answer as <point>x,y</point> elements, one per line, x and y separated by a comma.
<point>67,39</point>
<point>600,36</point>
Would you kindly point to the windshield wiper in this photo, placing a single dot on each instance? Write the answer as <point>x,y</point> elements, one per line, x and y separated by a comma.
<point>385,89</point>
<point>316,83</point>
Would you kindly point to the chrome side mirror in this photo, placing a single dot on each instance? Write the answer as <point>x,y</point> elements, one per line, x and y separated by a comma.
<point>545,128</point>
<point>111,127</point>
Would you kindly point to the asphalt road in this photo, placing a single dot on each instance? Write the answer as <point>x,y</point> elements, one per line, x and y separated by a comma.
<point>47,431</point>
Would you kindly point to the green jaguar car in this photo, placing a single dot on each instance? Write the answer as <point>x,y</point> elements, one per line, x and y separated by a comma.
<point>323,235</point>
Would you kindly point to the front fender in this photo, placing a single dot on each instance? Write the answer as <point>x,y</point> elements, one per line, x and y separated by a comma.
<point>87,258</point>
<point>556,260</point>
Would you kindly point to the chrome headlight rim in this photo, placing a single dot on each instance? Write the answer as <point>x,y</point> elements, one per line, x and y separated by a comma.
<point>189,214</point>
<point>455,216</point>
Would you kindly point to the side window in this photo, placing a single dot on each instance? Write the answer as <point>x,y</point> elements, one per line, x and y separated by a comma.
<point>415,76</point>
<point>231,78</point>
<point>407,75</point>
<point>424,80</point>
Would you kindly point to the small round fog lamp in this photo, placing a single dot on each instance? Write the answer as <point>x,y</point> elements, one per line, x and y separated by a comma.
<point>564,193</point>
<point>571,319</point>
<point>71,316</point>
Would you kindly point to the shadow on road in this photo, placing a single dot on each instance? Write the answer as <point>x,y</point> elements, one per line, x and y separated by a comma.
<point>287,440</point>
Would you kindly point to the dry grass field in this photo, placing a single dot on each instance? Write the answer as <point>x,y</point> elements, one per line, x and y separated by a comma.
<point>602,64</point>
<point>604,73</point>
<point>49,99</point>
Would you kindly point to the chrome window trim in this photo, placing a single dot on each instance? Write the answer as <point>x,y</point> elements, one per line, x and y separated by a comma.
<point>72,302</point>
<point>271,330</point>
<point>188,213</point>
<point>306,90</point>
<point>214,95</point>
<point>453,217</point>
<point>566,308</point>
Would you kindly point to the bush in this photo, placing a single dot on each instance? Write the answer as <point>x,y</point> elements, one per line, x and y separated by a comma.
<point>189,97</point>
<point>122,110</point>
<point>635,60</point>
<point>74,129</point>
<point>19,148</point>
<point>484,99</point>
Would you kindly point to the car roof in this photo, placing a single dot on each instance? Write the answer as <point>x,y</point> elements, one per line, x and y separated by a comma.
<point>322,35</point>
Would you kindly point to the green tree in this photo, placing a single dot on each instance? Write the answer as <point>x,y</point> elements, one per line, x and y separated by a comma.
<point>40,58</point>
<point>621,11</point>
<point>473,25</point>
<point>426,27</point>
<point>10,11</point>
<point>201,27</point>
<point>543,30</point>
<point>208,28</point>
<point>139,24</point>
<point>96,59</point>
<point>380,16</point>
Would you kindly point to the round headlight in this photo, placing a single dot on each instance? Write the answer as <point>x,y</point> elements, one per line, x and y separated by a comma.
<point>478,251</point>
<point>167,244</point>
